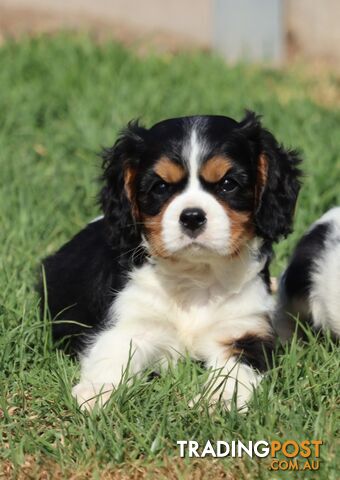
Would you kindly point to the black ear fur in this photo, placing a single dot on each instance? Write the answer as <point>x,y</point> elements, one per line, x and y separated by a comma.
<point>278,195</point>
<point>124,231</point>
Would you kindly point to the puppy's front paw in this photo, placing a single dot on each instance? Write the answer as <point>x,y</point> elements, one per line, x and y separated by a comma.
<point>88,395</point>
<point>217,400</point>
<point>230,400</point>
<point>229,394</point>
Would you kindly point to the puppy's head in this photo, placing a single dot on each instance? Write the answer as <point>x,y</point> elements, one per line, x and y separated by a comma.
<point>198,185</point>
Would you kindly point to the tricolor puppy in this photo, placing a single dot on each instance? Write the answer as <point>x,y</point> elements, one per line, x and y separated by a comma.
<point>310,286</point>
<point>179,262</point>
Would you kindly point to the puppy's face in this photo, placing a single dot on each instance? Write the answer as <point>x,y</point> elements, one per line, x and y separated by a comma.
<point>200,185</point>
<point>195,188</point>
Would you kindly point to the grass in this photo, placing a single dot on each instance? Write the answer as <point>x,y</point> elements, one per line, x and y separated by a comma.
<point>61,99</point>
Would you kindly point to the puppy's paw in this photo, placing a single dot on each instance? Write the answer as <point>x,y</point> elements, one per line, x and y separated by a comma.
<point>89,395</point>
<point>217,400</point>
<point>229,401</point>
<point>230,395</point>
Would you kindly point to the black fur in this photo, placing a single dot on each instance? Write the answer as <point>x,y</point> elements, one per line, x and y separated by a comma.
<point>84,276</point>
<point>297,278</point>
<point>274,214</point>
<point>255,351</point>
<point>124,232</point>
<point>81,279</point>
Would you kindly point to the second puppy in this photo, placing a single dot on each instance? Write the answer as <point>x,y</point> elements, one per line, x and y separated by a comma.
<point>310,286</point>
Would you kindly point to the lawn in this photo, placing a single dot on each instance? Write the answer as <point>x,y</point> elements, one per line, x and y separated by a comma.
<point>61,100</point>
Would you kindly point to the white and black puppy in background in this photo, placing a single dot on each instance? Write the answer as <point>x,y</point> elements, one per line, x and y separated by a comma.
<point>179,262</point>
<point>310,287</point>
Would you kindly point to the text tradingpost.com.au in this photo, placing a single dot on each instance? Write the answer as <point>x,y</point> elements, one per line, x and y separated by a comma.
<point>302,455</point>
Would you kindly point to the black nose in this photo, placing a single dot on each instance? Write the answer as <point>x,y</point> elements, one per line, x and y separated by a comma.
<point>192,220</point>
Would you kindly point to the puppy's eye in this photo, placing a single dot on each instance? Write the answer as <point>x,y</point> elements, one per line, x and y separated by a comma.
<point>228,185</point>
<point>160,187</point>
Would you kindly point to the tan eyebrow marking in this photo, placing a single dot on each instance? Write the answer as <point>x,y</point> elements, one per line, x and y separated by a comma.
<point>169,171</point>
<point>215,168</point>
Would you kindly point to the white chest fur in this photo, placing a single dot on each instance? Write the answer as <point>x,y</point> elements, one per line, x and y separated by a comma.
<point>184,308</point>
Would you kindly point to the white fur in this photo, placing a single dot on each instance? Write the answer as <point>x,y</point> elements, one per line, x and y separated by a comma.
<point>193,157</point>
<point>96,219</point>
<point>171,307</point>
<point>325,291</point>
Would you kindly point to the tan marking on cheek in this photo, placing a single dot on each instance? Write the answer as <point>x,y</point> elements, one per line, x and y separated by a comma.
<point>169,171</point>
<point>215,168</point>
<point>153,229</point>
<point>241,228</point>
<point>262,176</point>
<point>129,179</point>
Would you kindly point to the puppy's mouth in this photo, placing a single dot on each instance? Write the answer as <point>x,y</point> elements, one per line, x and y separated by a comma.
<point>197,249</point>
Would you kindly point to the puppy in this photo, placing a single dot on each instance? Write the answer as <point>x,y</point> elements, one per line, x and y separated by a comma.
<point>179,262</point>
<point>309,288</point>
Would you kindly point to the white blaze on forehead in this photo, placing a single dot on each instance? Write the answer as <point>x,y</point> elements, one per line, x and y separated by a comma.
<point>194,152</point>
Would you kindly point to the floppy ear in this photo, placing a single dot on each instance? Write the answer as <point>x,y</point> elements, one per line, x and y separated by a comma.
<point>278,181</point>
<point>117,197</point>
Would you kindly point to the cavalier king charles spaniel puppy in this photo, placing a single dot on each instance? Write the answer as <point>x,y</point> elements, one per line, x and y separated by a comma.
<point>178,263</point>
<point>309,288</point>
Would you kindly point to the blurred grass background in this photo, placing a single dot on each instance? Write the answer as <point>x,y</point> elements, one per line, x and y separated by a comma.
<point>61,99</point>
